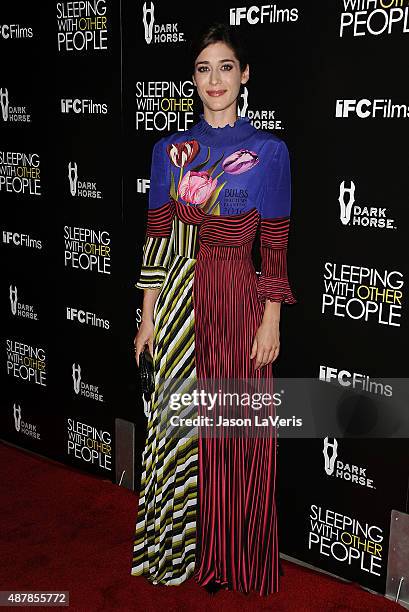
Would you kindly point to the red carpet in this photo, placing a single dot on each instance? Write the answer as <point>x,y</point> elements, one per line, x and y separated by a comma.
<point>62,529</point>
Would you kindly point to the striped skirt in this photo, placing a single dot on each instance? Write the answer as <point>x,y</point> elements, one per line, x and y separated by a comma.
<point>207,506</point>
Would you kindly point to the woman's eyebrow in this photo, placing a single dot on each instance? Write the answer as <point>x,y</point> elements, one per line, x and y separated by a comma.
<point>222,60</point>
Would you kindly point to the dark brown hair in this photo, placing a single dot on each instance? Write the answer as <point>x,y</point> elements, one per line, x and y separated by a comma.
<point>220,32</point>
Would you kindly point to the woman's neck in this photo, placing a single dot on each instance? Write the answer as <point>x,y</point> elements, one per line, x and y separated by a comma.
<point>222,117</point>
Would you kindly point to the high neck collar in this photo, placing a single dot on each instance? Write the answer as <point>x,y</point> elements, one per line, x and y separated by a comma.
<point>228,134</point>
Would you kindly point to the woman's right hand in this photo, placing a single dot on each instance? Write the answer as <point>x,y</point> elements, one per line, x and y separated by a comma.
<point>144,336</point>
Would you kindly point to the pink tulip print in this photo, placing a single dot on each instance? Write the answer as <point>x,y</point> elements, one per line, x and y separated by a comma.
<point>196,187</point>
<point>240,161</point>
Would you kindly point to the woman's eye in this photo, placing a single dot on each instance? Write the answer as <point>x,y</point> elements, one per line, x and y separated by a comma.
<point>224,66</point>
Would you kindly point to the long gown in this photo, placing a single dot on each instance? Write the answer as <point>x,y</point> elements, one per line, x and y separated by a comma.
<point>207,502</point>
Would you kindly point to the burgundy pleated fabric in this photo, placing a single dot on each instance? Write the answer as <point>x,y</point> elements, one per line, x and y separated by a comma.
<point>160,220</point>
<point>273,283</point>
<point>237,521</point>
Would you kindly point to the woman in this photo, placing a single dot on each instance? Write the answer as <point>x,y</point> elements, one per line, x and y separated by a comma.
<point>207,506</point>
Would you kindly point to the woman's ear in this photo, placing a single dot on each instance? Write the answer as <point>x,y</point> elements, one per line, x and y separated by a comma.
<point>245,75</point>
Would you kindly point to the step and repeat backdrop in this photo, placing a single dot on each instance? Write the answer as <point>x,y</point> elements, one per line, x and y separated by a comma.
<point>86,89</point>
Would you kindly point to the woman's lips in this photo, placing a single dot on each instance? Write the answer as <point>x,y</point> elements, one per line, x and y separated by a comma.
<point>216,92</point>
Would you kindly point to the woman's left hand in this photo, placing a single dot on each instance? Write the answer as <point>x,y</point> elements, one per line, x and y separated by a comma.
<point>266,344</point>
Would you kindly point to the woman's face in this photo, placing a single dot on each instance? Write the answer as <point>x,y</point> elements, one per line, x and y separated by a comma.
<point>218,77</point>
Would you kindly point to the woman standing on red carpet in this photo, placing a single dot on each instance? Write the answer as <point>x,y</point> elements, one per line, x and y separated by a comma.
<point>207,501</point>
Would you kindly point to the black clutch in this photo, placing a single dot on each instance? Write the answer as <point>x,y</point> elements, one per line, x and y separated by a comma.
<point>146,372</point>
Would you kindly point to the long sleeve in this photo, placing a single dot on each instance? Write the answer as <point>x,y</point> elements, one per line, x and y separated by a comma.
<point>158,245</point>
<point>275,211</point>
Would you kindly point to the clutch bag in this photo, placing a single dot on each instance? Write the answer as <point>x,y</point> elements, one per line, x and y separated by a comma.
<point>146,372</point>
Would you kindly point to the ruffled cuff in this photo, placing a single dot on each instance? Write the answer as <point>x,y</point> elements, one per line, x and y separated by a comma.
<point>151,277</point>
<point>156,261</point>
<point>275,289</point>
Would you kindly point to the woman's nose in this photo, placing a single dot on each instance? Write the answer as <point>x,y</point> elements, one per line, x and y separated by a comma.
<point>214,77</point>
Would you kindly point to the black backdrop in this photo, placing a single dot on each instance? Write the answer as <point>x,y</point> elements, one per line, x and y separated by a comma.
<point>90,97</point>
